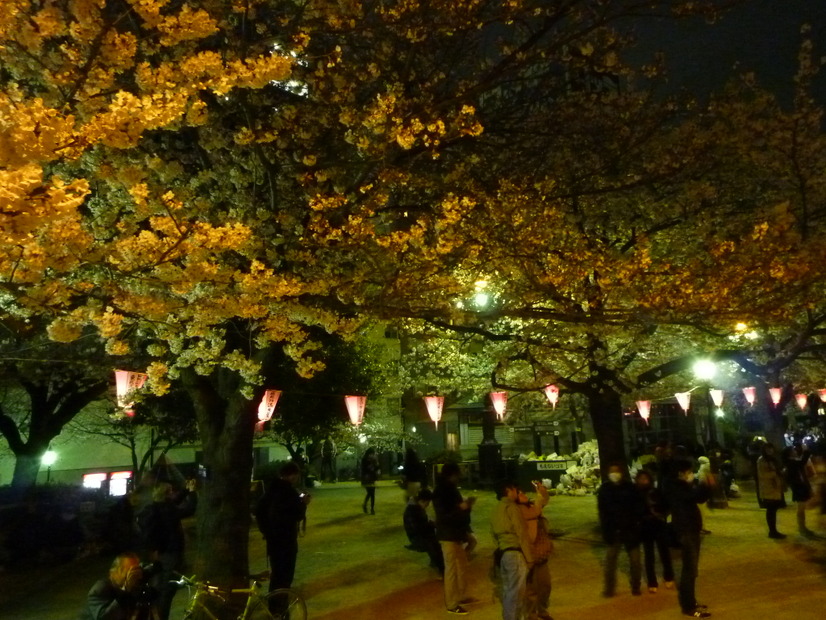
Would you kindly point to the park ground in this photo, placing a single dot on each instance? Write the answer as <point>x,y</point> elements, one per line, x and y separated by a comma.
<point>353,566</point>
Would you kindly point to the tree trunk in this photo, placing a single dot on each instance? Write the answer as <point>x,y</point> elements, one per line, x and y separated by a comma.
<point>26,468</point>
<point>605,408</point>
<point>225,425</point>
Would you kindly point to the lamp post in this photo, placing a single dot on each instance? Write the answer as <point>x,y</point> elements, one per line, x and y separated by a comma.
<point>705,370</point>
<point>48,459</point>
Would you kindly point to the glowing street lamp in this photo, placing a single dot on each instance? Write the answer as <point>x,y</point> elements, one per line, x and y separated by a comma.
<point>48,459</point>
<point>704,370</point>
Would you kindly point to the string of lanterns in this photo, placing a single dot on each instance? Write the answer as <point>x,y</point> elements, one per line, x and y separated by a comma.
<point>717,397</point>
<point>127,382</point>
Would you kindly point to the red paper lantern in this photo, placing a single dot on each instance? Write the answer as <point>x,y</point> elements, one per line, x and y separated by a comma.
<point>500,403</point>
<point>126,382</point>
<point>684,399</point>
<point>355,408</point>
<point>434,405</point>
<point>751,395</point>
<point>266,408</point>
<point>775,394</point>
<point>822,394</point>
<point>717,397</point>
<point>552,392</point>
<point>802,400</point>
<point>644,407</point>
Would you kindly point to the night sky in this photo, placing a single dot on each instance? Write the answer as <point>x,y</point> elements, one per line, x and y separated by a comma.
<point>762,36</point>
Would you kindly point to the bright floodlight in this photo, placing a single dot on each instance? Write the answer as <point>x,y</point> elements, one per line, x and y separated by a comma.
<point>49,458</point>
<point>705,370</point>
<point>481,300</point>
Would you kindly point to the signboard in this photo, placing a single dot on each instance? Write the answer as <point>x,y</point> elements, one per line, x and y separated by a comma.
<point>551,465</point>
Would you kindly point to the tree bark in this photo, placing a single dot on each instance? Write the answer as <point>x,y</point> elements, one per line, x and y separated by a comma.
<point>225,425</point>
<point>605,408</point>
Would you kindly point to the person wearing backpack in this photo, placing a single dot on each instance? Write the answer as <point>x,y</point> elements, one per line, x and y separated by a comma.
<point>538,591</point>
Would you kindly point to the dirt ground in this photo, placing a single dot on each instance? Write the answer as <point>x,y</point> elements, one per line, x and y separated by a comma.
<point>353,566</point>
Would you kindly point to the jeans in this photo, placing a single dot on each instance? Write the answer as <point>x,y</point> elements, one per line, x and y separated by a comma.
<point>690,544</point>
<point>633,549</point>
<point>514,571</point>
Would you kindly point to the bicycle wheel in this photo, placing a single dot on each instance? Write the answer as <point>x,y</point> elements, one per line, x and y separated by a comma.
<point>281,604</point>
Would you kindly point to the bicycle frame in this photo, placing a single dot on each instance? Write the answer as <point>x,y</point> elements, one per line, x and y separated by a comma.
<point>204,590</point>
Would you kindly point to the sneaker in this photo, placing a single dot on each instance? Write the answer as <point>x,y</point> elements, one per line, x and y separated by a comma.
<point>458,611</point>
<point>697,613</point>
<point>669,585</point>
<point>776,535</point>
<point>636,592</point>
<point>652,590</point>
<point>469,601</point>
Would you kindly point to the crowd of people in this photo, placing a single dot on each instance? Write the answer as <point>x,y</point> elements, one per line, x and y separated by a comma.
<point>645,516</point>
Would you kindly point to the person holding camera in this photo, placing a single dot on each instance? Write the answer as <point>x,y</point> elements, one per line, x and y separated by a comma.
<point>116,597</point>
<point>279,513</point>
<point>455,535</point>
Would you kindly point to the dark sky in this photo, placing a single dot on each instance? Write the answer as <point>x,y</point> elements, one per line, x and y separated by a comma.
<point>762,36</point>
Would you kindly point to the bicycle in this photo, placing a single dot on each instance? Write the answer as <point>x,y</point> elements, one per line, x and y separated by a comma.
<point>211,601</point>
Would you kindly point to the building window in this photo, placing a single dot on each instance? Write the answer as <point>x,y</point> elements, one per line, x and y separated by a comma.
<point>119,482</point>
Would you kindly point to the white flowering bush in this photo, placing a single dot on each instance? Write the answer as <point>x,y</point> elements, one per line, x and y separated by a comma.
<point>580,479</point>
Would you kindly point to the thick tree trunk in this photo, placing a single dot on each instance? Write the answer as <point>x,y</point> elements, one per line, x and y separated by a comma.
<point>26,468</point>
<point>605,408</point>
<point>225,424</point>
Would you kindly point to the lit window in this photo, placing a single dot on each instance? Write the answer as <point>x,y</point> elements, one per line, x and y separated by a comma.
<point>119,482</point>
<point>93,481</point>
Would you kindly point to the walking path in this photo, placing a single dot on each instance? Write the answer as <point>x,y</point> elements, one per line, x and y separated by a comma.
<point>353,566</point>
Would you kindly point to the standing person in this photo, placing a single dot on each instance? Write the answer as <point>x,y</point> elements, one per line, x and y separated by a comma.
<point>116,597</point>
<point>369,476</point>
<point>279,513</point>
<point>538,590</point>
<point>453,532</point>
<point>421,531</point>
<point>770,487</point>
<point>796,461</point>
<point>514,551</point>
<point>328,460</point>
<point>620,514</point>
<point>163,534</point>
<point>415,474</point>
<point>688,522</point>
<point>653,532</point>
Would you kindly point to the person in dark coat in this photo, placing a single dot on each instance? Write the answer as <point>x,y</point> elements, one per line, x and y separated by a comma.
<point>454,533</point>
<point>279,513</point>
<point>796,460</point>
<point>115,598</point>
<point>415,474</point>
<point>653,532</point>
<point>688,522</point>
<point>421,531</point>
<point>369,477</point>
<point>163,535</point>
<point>621,511</point>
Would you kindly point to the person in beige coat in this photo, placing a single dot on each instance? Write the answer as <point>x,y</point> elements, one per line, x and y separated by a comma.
<point>770,487</point>
<point>538,592</point>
